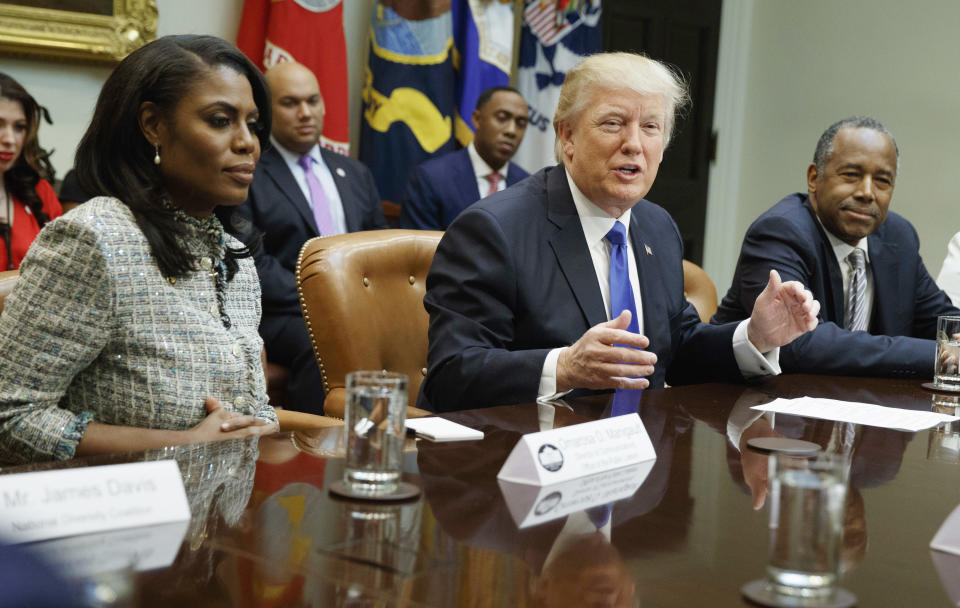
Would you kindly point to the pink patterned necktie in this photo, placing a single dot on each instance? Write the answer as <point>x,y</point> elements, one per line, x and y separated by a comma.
<point>494,179</point>
<point>318,199</point>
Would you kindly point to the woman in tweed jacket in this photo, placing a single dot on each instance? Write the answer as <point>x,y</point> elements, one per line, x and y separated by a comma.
<point>134,323</point>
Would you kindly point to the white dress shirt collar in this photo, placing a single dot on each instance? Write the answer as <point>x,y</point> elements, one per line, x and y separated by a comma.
<point>292,157</point>
<point>842,249</point>
<point>595,221</point>
<point>480,167</point>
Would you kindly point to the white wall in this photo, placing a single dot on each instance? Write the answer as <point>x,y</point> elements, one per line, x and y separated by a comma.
<point>70,90</point>
<point>813,62</point>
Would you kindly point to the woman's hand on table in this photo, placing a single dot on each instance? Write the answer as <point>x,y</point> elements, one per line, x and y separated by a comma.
<point>221,423</point>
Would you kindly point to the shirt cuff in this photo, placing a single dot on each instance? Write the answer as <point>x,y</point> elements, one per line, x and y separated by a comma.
<point>548,378</point>
<point>72,433</point>
<point>741,417</point>
<point>752,362</point>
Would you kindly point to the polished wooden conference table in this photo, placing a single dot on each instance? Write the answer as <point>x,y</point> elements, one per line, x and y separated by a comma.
<point>266,532</point>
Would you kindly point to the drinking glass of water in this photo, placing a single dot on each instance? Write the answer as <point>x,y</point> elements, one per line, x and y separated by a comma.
<point>376,410</point>
<point>946,374</point>
<point>807,497</point>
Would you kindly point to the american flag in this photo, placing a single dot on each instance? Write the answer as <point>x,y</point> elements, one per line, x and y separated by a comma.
<point>547,20</point>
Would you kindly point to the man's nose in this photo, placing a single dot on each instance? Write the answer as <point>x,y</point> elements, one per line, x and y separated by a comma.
<point>631,143</point>
<point>866,189</point>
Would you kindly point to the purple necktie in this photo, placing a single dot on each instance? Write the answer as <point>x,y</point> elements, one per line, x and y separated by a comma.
<point>318,199</point>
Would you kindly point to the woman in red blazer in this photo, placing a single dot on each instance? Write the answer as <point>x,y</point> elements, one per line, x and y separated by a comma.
<point>27,201</point>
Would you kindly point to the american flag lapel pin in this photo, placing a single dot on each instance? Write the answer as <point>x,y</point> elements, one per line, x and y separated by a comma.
<point>647,248</point>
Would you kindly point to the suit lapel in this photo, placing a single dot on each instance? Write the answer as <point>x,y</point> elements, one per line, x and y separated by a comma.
<point>279,172</point>
<point>342,178</point>
<point>648,274</point>
<point>885,266</point>
<point>467,180</point>
<point>570,247</point>
<point>831,270</point>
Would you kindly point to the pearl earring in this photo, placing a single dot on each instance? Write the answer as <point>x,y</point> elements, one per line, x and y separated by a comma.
<point>156,156</point>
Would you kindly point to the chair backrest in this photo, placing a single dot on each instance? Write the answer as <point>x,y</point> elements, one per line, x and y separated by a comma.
<point>700,290</point>
<point>8,280</point>
<point>362,300</point>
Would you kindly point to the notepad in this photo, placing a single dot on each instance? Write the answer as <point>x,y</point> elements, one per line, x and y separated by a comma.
<point>440,429</point>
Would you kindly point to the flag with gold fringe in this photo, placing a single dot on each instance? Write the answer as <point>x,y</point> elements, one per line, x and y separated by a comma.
<point>308,32</point>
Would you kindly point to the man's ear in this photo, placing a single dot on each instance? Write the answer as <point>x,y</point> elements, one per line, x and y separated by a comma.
<point>475,119</point>
<point>812,176</point>
<point>565,135</point>
<point>150,122</point>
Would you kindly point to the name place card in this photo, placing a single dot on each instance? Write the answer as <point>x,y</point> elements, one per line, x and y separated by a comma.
<point>134,549</point>
<point>533,505</point>
<point>559,455</point>
<point>54,504</point>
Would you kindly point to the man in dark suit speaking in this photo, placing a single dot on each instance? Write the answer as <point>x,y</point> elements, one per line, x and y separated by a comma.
<point>299,191</point>
<point>880,306</point>
<point>546,286</point>
<point>442,187</point>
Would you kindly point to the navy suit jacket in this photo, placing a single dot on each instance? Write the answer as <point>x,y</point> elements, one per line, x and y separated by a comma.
<point>906,301</point>
<point>277,209</point>
<point>441,188</point>
<point>512,279</point>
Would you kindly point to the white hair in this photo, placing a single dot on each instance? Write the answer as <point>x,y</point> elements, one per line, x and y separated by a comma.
<point>616,70</point>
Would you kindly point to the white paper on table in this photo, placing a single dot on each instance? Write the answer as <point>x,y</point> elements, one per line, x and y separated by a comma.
<point>858,413</point>
<point>438,429</point>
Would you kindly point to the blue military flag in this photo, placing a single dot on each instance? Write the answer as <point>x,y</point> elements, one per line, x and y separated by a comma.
<point>408,96</point>
<point>483,43</point>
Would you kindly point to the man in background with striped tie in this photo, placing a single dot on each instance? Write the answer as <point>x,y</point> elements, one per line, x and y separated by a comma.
<point>300,190</point>
<point>442,187</point>
<point>879,306</point>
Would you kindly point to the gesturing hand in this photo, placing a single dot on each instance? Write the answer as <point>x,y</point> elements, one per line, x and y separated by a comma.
<point>602,359</point>
<point>223,424</point>
<point>781,313</point>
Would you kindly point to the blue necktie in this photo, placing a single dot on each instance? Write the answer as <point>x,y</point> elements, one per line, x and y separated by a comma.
<point>621,292</point>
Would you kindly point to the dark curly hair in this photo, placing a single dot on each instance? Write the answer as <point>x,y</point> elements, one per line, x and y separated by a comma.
<point>33,164</point>
<point>115,159</point>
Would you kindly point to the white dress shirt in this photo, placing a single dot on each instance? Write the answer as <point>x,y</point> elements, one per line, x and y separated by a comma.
<point>596,224</point>
<point>842,250</point>
<point>949,278</point>
<point>481,170</point>
<point>322,171</point>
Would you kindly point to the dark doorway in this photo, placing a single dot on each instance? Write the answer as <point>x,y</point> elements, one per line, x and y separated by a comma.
<point>685,34</point>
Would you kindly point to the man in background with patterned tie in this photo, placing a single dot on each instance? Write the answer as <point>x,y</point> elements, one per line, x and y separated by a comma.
<point>442,187</point>
<point>571,280</point>
<point>299,191</point>
<point>879,306</point>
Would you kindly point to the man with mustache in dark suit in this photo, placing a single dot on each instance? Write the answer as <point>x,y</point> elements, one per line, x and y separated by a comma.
<point>879,305</point>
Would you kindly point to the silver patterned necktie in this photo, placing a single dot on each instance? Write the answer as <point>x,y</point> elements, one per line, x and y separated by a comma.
<point>856,313</point>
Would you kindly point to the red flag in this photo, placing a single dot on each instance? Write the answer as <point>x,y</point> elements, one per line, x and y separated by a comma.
<point>308,32</point>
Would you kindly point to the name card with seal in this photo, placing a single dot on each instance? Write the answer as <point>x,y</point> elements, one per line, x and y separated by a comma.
<point>559,455</point>
<point>69,502</point>
<point>533,505</point>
